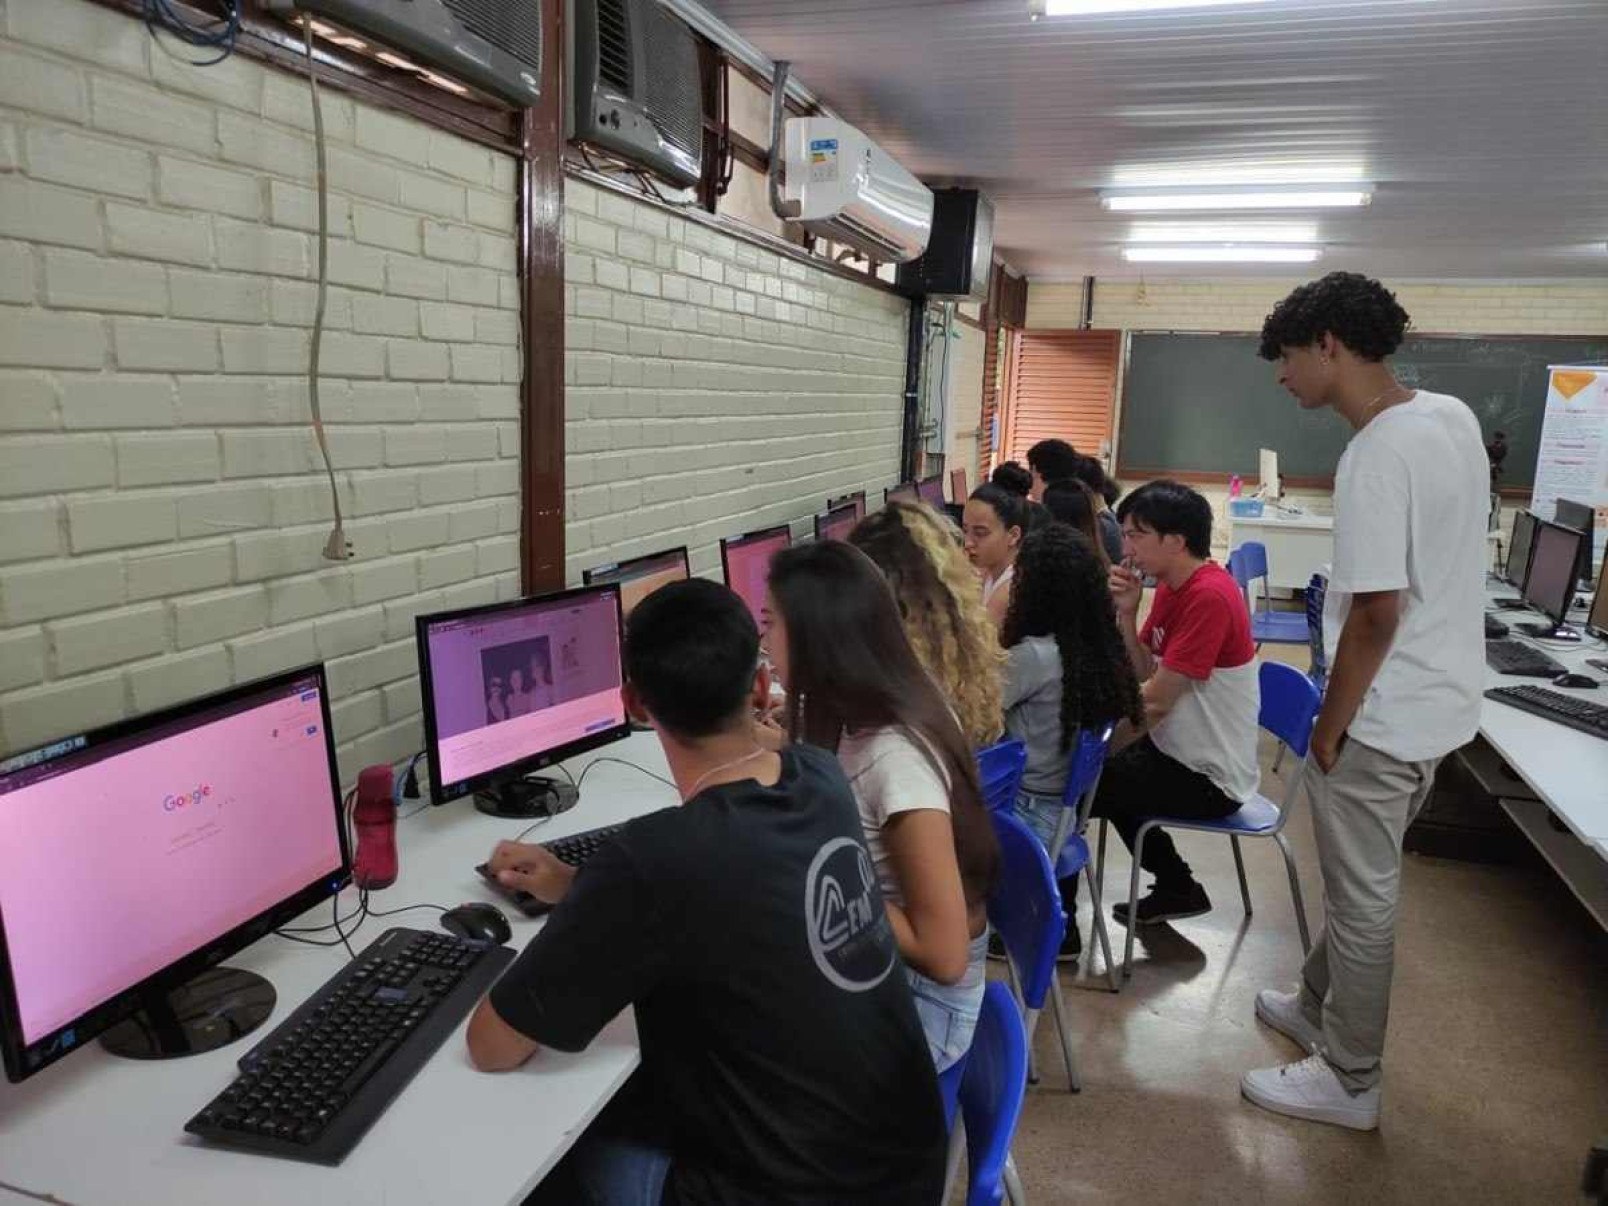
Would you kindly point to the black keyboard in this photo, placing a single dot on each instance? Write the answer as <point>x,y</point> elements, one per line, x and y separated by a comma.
<point>574,850</point>
<point>1568,710</point>
<point>1521,660</point>
<point>1494,627</point>
<point>312,1088</point>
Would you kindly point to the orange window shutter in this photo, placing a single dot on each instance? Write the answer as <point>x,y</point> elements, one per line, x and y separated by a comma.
<point>1063,385</point>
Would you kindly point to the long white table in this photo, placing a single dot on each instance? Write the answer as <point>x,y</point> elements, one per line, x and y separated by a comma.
<point>97,1129</point>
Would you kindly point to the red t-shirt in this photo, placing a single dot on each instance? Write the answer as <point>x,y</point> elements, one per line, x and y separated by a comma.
<point>1202,626</point>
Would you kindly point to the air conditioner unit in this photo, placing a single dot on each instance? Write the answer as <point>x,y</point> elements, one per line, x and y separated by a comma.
<point>960,254</point>
<point>634,71</point>
<point>850,190</point>
<point>492,45</point>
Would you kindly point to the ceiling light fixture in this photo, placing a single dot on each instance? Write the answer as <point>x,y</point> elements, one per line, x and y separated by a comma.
<point>1266,197</point>
<point>1223,232</point>
<point>1085,8</point>
<point>1223,253</point>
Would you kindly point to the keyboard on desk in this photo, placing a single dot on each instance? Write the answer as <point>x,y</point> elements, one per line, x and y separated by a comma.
<point>1569,710</point>
<point>1521,660</point>
<point>314,1086</point>
<point>574,850</point>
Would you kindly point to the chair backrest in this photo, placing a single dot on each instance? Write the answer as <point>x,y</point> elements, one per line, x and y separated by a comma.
<point>1253,557</point>
<point>1025,907</point>
<point>949,1089</point>
<point>991,1094</point>
<point>1000,767</point>
<point>1317,590</point>
<point>1248,564</point>
<point>1289,705</point>
<point>1083,775</point>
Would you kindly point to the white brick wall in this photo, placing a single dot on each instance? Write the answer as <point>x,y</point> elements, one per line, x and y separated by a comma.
<point>713,386</point>
<point>162,508</point>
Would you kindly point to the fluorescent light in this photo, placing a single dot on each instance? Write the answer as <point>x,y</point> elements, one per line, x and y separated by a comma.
<point>1269,197</point>
<point>1082,8</point>
<point>1224,253</point>
<point>1223,232</point>
<point>1239,173</point>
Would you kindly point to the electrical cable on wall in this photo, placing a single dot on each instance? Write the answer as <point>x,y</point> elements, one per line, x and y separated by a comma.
<point>218,35</point>
<point>337,547</point>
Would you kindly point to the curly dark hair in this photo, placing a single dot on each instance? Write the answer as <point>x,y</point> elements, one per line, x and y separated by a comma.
<point>1357,310</point>
<point>1013,477</point>
<point>1060,590</point>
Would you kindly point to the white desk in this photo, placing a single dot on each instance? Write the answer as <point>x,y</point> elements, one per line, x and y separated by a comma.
<point>95,1129</point>
<point>1298,546</point>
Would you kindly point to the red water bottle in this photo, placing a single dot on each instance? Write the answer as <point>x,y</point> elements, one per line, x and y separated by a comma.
<point>374,864</point>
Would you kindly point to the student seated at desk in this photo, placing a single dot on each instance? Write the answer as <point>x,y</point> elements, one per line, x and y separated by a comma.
<point>1194,655</point>
<point>854,686</point>
<point>1013,477</point>
<point>995,520</point>
<point>781,1062</point>
<point>941,603</point>
<point>1074,504</point>
<point>1068,670</point>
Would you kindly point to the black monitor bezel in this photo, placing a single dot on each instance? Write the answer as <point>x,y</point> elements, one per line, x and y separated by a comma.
<point>855,500</point>
<point>1599,605</point>
<point>23,1059</point>
<point>1560,615</point>
<point>827,516</point>
<point>1524,574</point>
<point>443,794</point>
<point>619,567</point>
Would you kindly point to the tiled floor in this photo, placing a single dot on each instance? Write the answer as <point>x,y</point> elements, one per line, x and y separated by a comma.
<point>1496,1071</point>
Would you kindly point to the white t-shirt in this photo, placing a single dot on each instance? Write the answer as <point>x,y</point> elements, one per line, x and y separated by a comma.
<point>889,775</point>
<point>1410,502</point>
<point>992,586</point>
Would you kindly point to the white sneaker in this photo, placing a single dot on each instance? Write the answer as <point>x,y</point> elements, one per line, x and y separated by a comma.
<point>1282,1011</point>
<point>1311,1090</point>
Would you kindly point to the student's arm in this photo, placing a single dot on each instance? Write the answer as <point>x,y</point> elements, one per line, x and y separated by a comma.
<point>1126,592</point>
<point>1365,640</point>
<point>931,927</point>
<point>1160,692</point>
<point>494,1045</point>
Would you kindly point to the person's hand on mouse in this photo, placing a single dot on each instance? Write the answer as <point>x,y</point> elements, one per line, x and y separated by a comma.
<point>533,869</point>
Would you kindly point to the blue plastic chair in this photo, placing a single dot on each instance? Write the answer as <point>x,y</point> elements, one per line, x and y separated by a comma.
<point>1025,910</point>
<point>1316,592</point>
<point>1069,849</point>
<point>1289,708</point>
<point>991,1094</point>
<point>1248,564</point>
<point>1000,767</point>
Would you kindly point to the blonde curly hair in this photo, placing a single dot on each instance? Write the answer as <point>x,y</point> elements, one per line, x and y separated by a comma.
<point>941,603</point>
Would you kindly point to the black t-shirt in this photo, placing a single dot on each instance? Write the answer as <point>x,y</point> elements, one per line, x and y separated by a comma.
<point>779,1040</point>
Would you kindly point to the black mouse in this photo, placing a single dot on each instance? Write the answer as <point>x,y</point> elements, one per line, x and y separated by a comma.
<point>1582,681</point>
<point>478,921</point>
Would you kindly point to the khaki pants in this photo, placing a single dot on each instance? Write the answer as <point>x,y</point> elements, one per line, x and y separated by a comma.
<point>1360,811</point>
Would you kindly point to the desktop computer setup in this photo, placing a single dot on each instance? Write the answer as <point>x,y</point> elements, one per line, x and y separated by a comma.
<point>836,524</point>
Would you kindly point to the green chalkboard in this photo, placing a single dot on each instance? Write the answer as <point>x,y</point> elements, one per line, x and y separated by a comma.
<point>1204,403</point>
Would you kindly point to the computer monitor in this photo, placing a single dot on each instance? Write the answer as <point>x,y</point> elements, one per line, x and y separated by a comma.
<point>1582,518</point>
<point>855,500</point>
<point>835,524</point>
<point>745,561</point>
<point>1549,587</point>
<point>1267,470</point>
<point>931,490</point>
<point>1597,621</point>
<point>639,577</point>
<point>957,486</point>
<point>514,687</point>
<point>1519,546</point>
<point>136,857</point>
<point>903,492</point>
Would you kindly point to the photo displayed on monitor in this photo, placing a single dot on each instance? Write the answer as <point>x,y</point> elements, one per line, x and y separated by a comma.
<point>1582,518</point>
<point>514,687</point>
<point>855,500</point>
<point>1518,555</point>
<point>835,525</point>
<point>931,491</point>
<point>639,577</point>
<point>136,857</point>
<point>746,562</point>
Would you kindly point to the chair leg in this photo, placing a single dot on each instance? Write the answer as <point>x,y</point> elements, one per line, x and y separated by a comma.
<point>1029,1018</point>
<point>957,1149</point>
<point>1278,758</point>
<point>1099,928</point>
<point>1295,893</point>
<point>1133,899</point>
<point>1239,865</point>
<point>1058,1007</point>
<point>1014,1193</point>
<point>1099,861</point>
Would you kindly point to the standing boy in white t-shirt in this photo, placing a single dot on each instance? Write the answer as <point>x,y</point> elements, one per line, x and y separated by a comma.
<point>1403,623</point>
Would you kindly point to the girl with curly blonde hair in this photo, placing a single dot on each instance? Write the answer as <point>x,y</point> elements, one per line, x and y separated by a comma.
<point>941,604</point>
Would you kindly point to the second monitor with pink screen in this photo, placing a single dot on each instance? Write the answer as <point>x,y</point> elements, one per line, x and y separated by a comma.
<point>836,524</point>
<point>746,562</point>
<point>931,490</point>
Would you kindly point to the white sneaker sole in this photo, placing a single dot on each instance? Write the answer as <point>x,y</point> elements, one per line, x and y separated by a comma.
<point>1301,1036</point>
<point>1355,1119</point>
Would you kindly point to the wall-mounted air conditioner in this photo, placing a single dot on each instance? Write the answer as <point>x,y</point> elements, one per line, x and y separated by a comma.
<point>633,70</point>
<point>850,190</point>
<point>492,45</point>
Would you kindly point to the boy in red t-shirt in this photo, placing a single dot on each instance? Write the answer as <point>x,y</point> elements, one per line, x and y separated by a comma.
<point>1196,757</point>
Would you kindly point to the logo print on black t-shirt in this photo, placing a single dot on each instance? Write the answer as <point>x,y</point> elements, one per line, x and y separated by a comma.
<point>848,930</point>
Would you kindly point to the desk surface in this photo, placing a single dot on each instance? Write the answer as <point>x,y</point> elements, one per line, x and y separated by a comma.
<point>97,1129</point>
<point>1566,768</point>
<point>1270,518</point>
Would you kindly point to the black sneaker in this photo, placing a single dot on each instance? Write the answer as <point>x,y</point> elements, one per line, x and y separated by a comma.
<point>996,948</point>
<point>1071,946</point>
<point>1167,904</point>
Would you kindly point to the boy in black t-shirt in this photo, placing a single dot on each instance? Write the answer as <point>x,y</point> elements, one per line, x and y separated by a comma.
<point>782,1060</point>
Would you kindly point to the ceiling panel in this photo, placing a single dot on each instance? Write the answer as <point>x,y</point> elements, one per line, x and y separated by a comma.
<point>1484,123</point>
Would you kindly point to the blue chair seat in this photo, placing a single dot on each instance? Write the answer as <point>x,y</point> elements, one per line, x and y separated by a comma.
<point>1074,857</point>
<point>1257,817</point>
<point>1279,627</point>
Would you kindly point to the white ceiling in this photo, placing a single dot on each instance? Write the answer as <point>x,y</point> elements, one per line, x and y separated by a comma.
<point>1484,123</point>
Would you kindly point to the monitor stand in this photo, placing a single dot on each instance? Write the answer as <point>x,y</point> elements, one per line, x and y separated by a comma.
<point>1549,632</point>
<point>202,1014</point>
<point>531,797</point>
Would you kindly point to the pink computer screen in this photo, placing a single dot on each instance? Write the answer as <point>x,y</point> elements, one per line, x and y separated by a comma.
<point>119,860</point>
<point>748,561</point>
<point>835,525</point>
<point>931,491</point>
<point>640,577</point>
<point>512,683</point>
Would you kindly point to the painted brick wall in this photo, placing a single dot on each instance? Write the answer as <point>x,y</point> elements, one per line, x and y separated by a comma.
<point>714,387</point>
<point>162,509</point>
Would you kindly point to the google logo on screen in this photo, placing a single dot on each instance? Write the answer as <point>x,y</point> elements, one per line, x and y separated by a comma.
<point>187,798</point>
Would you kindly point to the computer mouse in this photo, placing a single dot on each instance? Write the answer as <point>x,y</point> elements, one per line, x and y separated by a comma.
<point>1582,681</point>
<point>478,921</point>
